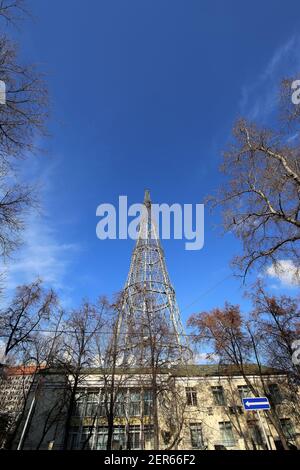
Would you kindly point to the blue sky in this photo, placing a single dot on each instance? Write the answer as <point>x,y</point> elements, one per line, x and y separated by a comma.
<point>143,95</point>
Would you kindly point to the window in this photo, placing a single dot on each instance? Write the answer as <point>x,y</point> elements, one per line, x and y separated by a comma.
<point>235,410</point>
<point>244,391</point>
<point>79,405</point>
<point>86,438</point>
<point>135,403</point>
<point>134,442</point>
<point>119,438</point>
<point>218,394</point>
<point>86,404</point>
<point>120,404</point>
<point>148,402</point>
<point>166,435</point>
<point>92,399</point>
<point>73,443</point>
<point>227,436</point>
<point>255,433</point>
<point>101,438</point>
<point>196,435</point>
<point>275,393</point>
<point>103,402</point>
<point>149,436</point>
<point>287,428</point>
<point>191,396</point>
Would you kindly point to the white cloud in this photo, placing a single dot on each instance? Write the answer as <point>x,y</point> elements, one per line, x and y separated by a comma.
<point>42,255</point>
<point>286,272</point>
<point>260,98</point>
<point>206,358</point>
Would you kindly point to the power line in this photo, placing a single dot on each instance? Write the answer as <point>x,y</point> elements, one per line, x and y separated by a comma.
<point>207,292</point>
<point>110,332</point>
<point>88,332</point>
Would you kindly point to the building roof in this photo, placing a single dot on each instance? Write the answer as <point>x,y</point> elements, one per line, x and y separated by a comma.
<point>19,370</point>
<point>224,370</point>
<point>187,370</point>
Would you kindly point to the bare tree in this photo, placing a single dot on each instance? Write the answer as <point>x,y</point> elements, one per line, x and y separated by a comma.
<point>53,415</point>
<point>48,408</point>
<point>31,305</point>
<point>261,198</point>
<point>12,10</point>
<point>233,340</point>
<point>113,366</point>
<point>173,406</point>
<point>80,351</point>
<point>19,379</point>
<point>232,411</point>
<point>22,118</point>
<point>276,320</point>
<point>155,347</point>
<point>15,199</point>
<point>24,111</point>
<point>36,352</point>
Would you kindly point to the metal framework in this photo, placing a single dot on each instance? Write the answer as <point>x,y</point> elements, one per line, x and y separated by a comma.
<point>149,310</point>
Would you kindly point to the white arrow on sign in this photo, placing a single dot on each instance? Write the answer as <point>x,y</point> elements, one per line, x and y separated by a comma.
<point>248,403</point>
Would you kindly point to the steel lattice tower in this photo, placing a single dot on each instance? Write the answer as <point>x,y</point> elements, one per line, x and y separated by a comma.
<point>149,303</point>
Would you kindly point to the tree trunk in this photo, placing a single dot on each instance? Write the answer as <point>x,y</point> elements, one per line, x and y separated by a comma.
<point>155,409</point>
<point>70,412</point>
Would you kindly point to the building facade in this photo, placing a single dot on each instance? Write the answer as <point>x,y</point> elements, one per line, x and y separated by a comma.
<point>15,385</point>
<point>199,408</point>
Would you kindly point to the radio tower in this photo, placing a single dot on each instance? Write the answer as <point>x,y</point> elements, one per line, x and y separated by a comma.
<point>149,314</point>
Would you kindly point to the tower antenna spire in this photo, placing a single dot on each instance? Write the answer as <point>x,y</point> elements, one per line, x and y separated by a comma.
<point>149,304</point>
<point>147,199</point>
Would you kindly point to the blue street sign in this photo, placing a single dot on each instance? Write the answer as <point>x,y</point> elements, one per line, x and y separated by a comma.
<point>257,403</point>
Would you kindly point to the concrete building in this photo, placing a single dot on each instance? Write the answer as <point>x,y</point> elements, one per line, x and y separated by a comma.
<point>15,384</point>
<point>206,414</point>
